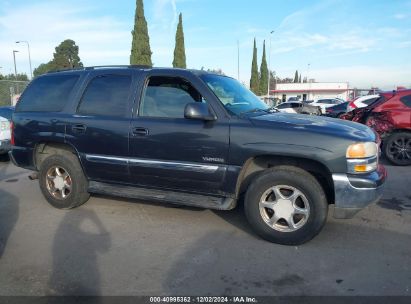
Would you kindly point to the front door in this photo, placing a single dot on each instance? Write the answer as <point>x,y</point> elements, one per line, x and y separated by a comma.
<point>172,152</point>
<point>99,127</point>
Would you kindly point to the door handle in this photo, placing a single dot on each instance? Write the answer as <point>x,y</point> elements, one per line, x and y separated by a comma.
<point>140,131</point>
<point>79,128</point>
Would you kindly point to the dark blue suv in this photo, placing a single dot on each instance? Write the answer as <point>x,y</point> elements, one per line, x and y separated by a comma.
<point>193,138</point>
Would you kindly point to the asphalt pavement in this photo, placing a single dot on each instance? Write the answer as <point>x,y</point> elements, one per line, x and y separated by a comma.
<point>123,247</point>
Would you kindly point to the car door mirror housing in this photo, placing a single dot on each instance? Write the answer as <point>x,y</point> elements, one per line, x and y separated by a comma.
<point>199,111</point>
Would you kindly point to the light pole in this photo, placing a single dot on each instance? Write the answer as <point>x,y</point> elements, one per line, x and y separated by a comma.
<point>269,66</point>
<point>238,60</point>
<point>28,50</point>
<point>308,72</point>
<point>15,68</point>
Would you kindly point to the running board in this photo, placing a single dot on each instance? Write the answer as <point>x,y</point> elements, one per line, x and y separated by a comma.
<point>164,196</point>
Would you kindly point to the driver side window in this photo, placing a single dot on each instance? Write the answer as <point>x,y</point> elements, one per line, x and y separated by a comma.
<point>167,97</point>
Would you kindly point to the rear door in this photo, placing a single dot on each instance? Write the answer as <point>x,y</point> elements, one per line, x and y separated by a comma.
<point>99,125</point>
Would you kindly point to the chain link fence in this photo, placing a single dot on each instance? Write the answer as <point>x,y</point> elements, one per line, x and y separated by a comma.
<point>10,91</point>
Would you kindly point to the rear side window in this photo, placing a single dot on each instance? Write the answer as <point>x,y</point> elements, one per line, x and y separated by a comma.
<point>370,101</point>
<point>47,94</point>
<point>406,100</point>
<point>106,95</point>
<point>284,106</point>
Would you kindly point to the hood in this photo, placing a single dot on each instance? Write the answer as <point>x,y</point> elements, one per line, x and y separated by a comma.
<point>317,124</point>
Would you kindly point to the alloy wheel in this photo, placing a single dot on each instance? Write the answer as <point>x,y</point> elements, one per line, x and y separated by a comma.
<point>400,149</point>
<point>58,182</point>
<point>284,208</point>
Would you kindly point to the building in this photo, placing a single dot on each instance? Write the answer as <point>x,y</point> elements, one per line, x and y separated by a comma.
<point>311,90</point>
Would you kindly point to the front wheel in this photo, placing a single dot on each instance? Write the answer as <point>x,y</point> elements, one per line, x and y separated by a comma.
<point>286,205</point>
<point>397,149</point>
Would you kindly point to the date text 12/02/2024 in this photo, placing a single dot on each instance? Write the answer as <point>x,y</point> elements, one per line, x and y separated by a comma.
<point>203,300</point>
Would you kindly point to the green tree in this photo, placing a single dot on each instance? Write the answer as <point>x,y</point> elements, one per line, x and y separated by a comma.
<point>20,77</point>
<point>254,83</point>
<point>179,50</point>
<point>140,47</point>
<point>66,56</point>
<point>299,79</point>
<point>42,69</point>
<point>263,74</point>
<point>296,77</point>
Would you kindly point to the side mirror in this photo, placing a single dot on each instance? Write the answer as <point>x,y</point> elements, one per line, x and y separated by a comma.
<point>199,111</point>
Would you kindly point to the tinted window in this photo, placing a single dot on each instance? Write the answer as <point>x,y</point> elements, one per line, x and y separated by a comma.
<point>47,94</point>
<point>370,101</point>
<point>106,95</point>
<point>168,97</point>
<point>324,101</point>
<point>406,100</point>
<point>284,106</point>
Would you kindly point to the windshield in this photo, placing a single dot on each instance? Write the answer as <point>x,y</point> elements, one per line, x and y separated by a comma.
<point>234,96</point>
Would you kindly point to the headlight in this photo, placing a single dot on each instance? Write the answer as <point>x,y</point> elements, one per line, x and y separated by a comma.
<point>362,157</point>
<point>362,150</point>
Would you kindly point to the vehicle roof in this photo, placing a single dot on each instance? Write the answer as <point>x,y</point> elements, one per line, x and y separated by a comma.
<point>7,107</point>
<point>366,97</point>
<point>133,67</point>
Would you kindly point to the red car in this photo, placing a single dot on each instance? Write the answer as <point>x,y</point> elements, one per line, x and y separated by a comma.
<point>390,117</point>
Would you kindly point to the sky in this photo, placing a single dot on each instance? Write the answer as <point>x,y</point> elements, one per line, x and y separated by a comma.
<point>366,43</point>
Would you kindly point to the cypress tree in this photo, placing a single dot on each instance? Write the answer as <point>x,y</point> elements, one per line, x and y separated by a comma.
<point>254,86</point>
<point>140,48</point>
<point>263,74</point>
<point>296,77</point>
<point>179,50</point>
<point>299,79</point>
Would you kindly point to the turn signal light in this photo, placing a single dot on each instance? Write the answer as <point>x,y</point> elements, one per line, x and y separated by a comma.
<point>12,133</point>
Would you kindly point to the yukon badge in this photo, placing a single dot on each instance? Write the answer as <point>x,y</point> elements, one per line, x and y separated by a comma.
<point>213,159</point>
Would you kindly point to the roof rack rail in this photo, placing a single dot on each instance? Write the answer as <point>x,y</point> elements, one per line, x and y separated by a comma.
<point>65,70</point>
<point>102,67</point>
<point>118,66</point>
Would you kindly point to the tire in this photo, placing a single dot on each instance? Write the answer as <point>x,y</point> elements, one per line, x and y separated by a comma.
<point>71,178</point>
<point>286,178</point>
<point>397,149</point>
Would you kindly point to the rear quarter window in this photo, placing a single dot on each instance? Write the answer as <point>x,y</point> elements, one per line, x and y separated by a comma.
<point>47,94</point>
<point>406,100</point>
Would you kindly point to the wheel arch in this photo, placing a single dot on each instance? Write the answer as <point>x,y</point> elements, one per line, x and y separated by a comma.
<point>255,165</point>
<point>43,149</point>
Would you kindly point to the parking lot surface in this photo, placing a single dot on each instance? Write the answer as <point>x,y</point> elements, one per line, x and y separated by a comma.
<point>123,247</point>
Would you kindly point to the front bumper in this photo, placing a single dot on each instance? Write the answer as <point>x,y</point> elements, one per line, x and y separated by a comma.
<point>5,146</point>
<point>353,193</point>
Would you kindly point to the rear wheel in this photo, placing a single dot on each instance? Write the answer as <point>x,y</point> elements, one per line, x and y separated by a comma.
<point>397,149</point>
<point>286,205</point>
<point>62,181</point>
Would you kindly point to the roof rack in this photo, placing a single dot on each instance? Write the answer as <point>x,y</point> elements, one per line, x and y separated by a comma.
<point>102,67</point>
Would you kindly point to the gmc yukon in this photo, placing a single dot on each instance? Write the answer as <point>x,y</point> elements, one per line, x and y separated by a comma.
<point>193,138</point>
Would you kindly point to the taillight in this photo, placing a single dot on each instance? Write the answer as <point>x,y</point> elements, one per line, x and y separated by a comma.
<point>351,106</point>
<point>12,133</point>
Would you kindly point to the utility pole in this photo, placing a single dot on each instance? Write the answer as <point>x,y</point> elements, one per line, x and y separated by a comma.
<point>28,50</point>
<point>269,66</point>
<point>15,68</point>
<point>238,60</point>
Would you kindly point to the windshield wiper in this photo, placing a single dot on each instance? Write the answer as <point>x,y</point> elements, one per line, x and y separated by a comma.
<point>255,110</point>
